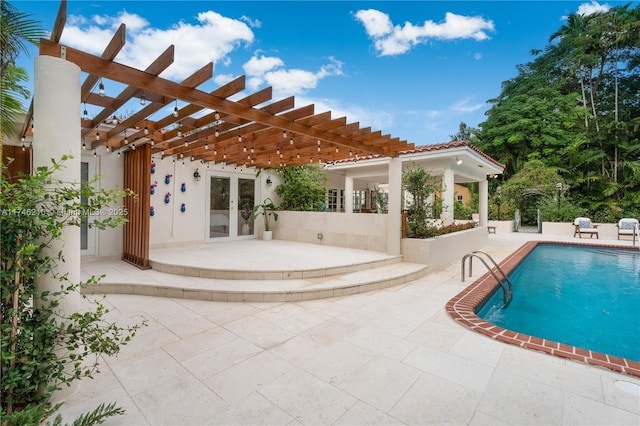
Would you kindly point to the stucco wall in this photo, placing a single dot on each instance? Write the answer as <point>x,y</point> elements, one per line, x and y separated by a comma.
<point>366,231</point>
<point>441,251</point>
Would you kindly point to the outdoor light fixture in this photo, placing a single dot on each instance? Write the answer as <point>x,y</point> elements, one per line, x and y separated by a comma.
<point>179,131</point>
<point>458,161</point>
<point>284,134</point>
<point>84,145</point>
<point>85,114</point>
<point>240,140</point>
<point>143,99</point>
<point>101,89</point>
<point>126,140</point>
<point>291,140</point>
<point>216,115</point>
<point>146,126</point>
<point>196,175</point>
<point>217,133</point>
<point>175,110</point>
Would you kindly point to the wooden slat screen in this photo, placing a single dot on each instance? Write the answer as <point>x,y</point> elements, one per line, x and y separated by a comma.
<point>21,161</point>
<point>137,177</point>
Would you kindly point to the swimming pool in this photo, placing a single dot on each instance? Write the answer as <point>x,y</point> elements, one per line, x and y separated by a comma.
<point>576,318</point>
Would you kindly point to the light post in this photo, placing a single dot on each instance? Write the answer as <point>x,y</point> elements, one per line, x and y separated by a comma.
<point>559,189</point>
<point>498,201</point>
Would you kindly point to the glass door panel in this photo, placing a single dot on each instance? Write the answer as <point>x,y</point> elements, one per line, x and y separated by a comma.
<point>246,201</point>
<point>219,211</point>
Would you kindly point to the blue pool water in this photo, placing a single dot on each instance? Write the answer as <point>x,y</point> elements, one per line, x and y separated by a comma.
<point>587,297</point>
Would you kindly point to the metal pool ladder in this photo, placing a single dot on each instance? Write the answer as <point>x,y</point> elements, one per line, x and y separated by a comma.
<point>506,290</point>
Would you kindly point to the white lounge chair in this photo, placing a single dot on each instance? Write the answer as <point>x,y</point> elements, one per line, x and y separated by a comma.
<point>583,225</point>
<point>628,227</point>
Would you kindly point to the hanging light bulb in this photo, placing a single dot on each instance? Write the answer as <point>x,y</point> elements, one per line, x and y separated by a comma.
<point>108,148</point>
<point>85,113</point>
<point>186,143</point>
<point>179,132</point>
<point>97,136</point>
<point>216,115</point>
<point>143,99</point>
<point>126,140</point>
<point>133,147</point>
<point>244,148</point>
<point>337,149</point>
<point>118,153</point>
<point>146,126</point>
<point>350,153</point>
<point>175,110</point>
<point>215,150</point>
<point>217,132</point>
<point>23,147</point>
<point>291,140</point>
<point>240,140</point>
<point>318,145</point>
<point>284,134</point>
<point>94,153</point>
<point>84,144</point>
<point>162,152</point>
<point>101,89</point>
<point>253,150</point>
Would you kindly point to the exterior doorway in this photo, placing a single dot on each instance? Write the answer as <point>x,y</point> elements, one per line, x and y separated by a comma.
<point>230,206</point>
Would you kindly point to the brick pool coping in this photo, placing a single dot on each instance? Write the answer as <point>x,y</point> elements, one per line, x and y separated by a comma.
<point>462,309</point>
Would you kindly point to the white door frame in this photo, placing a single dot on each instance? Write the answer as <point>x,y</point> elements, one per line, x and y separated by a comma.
<point>234,231</point>
<point>92,239</point>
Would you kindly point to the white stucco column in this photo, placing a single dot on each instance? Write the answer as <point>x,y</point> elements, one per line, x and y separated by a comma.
<point>394,214</point>
<point>447,197</point>
<point>483,202</point>
<point>348,194</point>
<point>56,113</point>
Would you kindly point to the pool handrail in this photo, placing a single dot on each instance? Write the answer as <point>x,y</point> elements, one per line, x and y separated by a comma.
<point>507,292</point>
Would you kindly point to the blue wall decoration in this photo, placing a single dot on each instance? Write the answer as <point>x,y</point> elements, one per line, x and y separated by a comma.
<point>183,208</point>
<point>167,198</point>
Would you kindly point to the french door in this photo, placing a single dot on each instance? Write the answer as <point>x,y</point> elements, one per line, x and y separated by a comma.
<point>230,206</point>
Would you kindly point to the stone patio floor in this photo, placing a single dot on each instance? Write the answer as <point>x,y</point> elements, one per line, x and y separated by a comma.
<point>386,357</point>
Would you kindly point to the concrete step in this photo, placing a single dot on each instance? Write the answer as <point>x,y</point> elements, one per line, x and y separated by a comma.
<point>161,284</point>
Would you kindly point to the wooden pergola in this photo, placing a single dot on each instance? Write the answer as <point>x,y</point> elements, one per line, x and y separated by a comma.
<point>209,127</point>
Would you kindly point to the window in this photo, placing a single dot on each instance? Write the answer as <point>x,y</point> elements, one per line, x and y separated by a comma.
<point>459,197</point>
<point>335,200</point>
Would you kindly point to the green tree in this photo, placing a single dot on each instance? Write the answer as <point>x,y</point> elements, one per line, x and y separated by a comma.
<point>303,188</point>
<point>575,107</point>
<point>464,133</point>
<point>420,184</point>
<point>17,32</point>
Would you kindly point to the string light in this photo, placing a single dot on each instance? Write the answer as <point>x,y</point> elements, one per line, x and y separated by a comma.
<point>85,113</point>
<point>217,133</point>
<point>216,115</point>
<point>179,131</point>
<point>284,134</point>
<point>97,136</point>
<point>146,126</point>
<point>84,144</point>
<point>175,110</point>
<point>143,99</point>
<point>94,153</point>
<point>101,91</point>
<point>126,140</point>
<point>240,140</point>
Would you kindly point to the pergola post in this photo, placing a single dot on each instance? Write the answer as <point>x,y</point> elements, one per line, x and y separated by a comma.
<point>348,194</point>
<point>394,212</point>
<point>483,204</point>
<point>56,124</point>
<point>447,196</point>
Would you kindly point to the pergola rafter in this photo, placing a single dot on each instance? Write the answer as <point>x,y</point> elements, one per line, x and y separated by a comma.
<point>211,127</point>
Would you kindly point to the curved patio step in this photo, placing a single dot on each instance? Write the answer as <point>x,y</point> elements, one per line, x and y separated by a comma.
<point>276,273</point>
<point>159,284</point>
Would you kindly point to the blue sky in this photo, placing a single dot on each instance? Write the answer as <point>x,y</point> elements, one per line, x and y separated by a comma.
<point>412,69</point>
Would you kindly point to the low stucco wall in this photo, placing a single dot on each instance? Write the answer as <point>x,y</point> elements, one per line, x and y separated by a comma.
<point>365,231</point>
<point>441,251</point>
<point>606,231</point>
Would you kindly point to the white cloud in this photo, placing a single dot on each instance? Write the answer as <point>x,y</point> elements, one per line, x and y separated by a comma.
<point>591,8</point>
<point>392,39</point>
<point>212,38</point>
<point>253,23</point>
<point>477,56</point>
<point>271,70</point>
<point>464,106</point>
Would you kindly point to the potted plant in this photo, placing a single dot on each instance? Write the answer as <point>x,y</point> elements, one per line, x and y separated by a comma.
<point>245,214</point>
<point>267,208</point>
